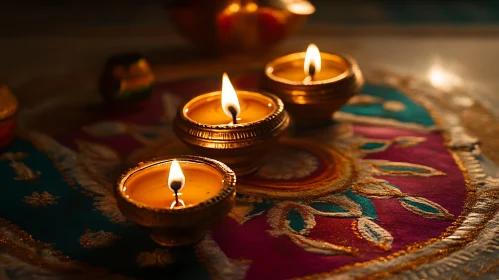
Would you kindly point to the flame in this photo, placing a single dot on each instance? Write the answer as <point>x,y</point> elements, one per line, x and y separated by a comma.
<point>312,57</point>
<point>229,97</point>
<point>299,7</point>
<point>176,175</point>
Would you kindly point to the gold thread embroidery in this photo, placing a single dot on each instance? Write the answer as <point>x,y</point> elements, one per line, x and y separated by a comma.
<point>219,266</point>
<point>74,172</point>
<point>441,213</point>
<point>321,247</point>
<point>386,144</point>
<point>377,189</point>
<point>374,233</point>
<point>408,141</point>
<point>24,173</point>
<point>392,168</point>
<point>97,239</point>
<point>393,106</point>
<point>20,244</point>
<point>40,200</point>
<point>364,99</point>
<point>471,199</point>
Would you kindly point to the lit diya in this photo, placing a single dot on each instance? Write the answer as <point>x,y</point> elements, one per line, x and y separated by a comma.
<point>176,200</point>
<point>313,84</point>
<point>235,127</point>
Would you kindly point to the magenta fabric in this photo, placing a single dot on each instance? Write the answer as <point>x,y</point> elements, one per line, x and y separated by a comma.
<point>277,257</point>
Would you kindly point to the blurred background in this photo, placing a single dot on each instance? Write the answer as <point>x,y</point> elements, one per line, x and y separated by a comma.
<point>450,42</point>
<point>20,18</point>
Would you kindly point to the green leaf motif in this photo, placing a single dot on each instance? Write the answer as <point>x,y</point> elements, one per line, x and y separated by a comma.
<point>392,168</point>
<point>290,217</point>
<point>327,207</point>
<point>336,206</point>
<point>245,211</point>
<point>377,189</point>
<point>321,247</point>
<point>368,209</point>
<point>374,233</point>
<point>408,141</point>
<point>296,221</point>
<point>423,207</point>
<point>374,146</point>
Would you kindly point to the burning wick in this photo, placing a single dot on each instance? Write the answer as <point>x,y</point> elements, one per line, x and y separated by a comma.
<point>233,112</point>
<point>176,186</point>
<point>176,182</point>
<point>312,64</point>
<point>311,71</point>
<point>230,103</point>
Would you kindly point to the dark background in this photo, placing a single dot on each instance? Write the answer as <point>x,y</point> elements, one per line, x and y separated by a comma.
<point>19,18</point>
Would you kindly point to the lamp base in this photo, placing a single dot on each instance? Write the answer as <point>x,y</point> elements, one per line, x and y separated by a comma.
<point>167,238</point>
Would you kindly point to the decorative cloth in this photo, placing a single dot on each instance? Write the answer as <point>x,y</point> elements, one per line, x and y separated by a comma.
<point>393,188</point>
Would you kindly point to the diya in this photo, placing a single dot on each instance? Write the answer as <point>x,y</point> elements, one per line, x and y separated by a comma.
<point>126,79</point>
<point>177,199</point>
<point>235,127</point>
<point>312,84</point>
<point>8,110</point>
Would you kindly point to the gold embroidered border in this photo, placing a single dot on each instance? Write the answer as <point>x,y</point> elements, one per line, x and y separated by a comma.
<point>467,209</point>
<point>56,261</point>
<point>471,200</point>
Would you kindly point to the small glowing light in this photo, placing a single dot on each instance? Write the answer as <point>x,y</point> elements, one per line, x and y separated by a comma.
<point>176,175</point>
<point>186,110</point>
<point>229,97</point>
<point>312,60</point>
<point>299,7</point>
<point>251,7</point>
<point>124,188</point>
<point>234,7</point>
<point>443,79</point>
<point>463,101</point>
<point>270,104</point>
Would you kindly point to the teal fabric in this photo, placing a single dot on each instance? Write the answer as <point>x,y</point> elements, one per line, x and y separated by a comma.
<point>327,207</point>
<point>398,168</point>
<point>413,113</point>
<point>368,209</point>
<point>372,146</point>
<point>422,207</point>
<point>51,225</point>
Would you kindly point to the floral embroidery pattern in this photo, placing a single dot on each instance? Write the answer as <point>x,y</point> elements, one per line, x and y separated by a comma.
<point>297,165</point>
<point>40,199</point>
<point>97,239</point>
<point>349,198</point>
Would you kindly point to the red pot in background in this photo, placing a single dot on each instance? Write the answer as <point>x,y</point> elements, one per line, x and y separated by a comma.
<point>238,26</point>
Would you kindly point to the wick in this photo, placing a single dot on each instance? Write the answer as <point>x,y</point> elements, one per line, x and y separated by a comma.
<point>233,112</point>
<point>176,198</point>
<point>176,186</point>
<point>311,71</point>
